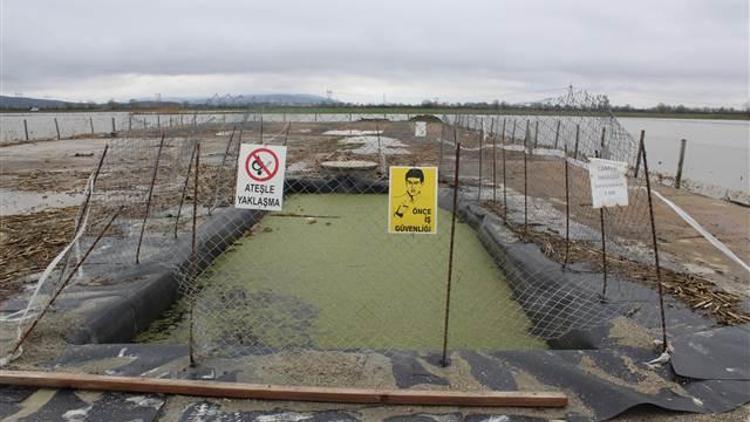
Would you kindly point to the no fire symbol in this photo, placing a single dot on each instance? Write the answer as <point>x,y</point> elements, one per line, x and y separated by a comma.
<point>262,164</point>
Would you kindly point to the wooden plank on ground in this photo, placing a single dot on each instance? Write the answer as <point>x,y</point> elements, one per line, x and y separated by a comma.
<point>275,392</point>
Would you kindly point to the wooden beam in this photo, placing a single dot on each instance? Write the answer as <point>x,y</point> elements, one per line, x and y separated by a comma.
<point>275,392</point>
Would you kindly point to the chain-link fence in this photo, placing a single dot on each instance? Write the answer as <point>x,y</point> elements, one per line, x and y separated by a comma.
<point>322,285</point>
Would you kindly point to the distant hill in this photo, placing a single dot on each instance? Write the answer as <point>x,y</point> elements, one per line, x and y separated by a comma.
<point>269,99</point>
<point>25,103</point>
<point>227,100</point>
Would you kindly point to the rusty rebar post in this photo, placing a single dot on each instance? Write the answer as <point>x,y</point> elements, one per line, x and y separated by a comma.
<point>286,134</point>
<point>567,210</point>
<point>456,182</point>
<point>525,179</point>
<point>184,191</point>
<point>193,248</point>
<point>604,245</point>
<point>442,137</point>
<point>64,284</point>
<point>494,166</point>
<point>481,159</point>
<point>654,242</point>
<point>215,201</point>
<point>505,182</point>
<point>148,199</point>
<point>638,158</point>
<point>86,201</point>
<point>261,128</point>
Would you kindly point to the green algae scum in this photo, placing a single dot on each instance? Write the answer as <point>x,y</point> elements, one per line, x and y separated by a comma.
<point>326,275</point>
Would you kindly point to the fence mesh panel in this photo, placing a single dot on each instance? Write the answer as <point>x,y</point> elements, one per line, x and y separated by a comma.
<point>322,281</point>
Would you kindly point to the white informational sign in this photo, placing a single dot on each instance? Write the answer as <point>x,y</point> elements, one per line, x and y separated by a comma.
<point>609,186</point>
<point>420,129</point>
<point>260,177</point>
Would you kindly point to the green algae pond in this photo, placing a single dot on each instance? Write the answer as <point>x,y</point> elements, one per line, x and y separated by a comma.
<point>325,274</point>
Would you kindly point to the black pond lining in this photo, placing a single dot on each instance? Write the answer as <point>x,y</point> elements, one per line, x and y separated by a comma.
<point>559,367</point>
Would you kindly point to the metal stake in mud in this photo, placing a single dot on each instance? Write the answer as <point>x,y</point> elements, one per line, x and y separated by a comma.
<point>193,245</point>
<point>567,209</point>
<point>450,255</point>
<point>184,191</point>
<point>604,245</point>
<point>442,137</point>
<point>481,159</point>
<point>525,179</point>
<point>505,184</point>
<point>148,199</point>
<point>638,157</point>
<point>84,207</point>
<point>286,134</point>
<point>654,242</point>
<point>494,165</point>
<point>261,128</point>
<point>221,167</point>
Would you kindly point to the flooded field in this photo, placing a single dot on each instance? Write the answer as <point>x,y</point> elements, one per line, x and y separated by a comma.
<point>334,281</point>
<point>716,162</point>
<point>717,157</point>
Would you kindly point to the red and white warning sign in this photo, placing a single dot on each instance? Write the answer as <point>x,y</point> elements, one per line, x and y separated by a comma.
<point>260,177</point>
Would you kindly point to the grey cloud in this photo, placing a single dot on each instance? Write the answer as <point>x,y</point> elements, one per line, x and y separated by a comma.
<point>537,44</point>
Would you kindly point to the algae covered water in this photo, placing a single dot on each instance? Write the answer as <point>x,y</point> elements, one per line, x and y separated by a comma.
<point>325,274</point>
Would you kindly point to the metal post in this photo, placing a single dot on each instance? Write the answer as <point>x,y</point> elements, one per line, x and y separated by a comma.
<point>557,137</point>
<point>494,167</point>
<point>130,123</point>
<point>456,181</point>
<point>604,245</point>
<point>481,159</point>
<point>381,156</point>
<point>567,209</point>
<point>604,253</point>
<point>575,149</point>
<point>221,167</point>
<point>86,200</point>
<point>57,129</point>
<point>26,129</point>
<point>678,177</point>
<point>184,191</point>
<point>114,128</point>
<point>158,121</point>
<point>505,184</point>
<point>286,135</point>
<point>193,254</point>
<point>525,178</point>
<point>638,158</point>
<point>148,199</point>
<point>536,136</point>
<point>442,141</point>
<point>601,147</point>
<point>655,244</point>
<point>91,124</point>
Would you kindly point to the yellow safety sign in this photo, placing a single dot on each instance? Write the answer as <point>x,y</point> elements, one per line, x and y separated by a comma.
<point>412,200</point>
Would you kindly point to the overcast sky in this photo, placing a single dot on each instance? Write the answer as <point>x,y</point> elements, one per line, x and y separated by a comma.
<point>637,52</point>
